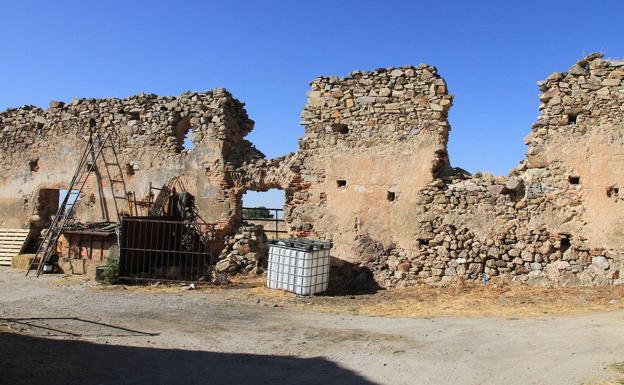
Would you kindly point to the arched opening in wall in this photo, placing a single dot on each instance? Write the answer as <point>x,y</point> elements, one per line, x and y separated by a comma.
<point>267,209</point>
<point>182,133</point>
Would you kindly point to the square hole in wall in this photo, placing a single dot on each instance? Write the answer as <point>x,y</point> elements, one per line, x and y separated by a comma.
<point>391,196</point>
<point>340,128</point>
<point>341,183</point>
<point>572,117</point>
<point>574,179</point>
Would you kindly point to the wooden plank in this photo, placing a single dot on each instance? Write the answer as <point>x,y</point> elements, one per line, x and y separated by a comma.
<point>11,243</point>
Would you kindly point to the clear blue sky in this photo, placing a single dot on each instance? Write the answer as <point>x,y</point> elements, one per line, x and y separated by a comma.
<point>266,52</point>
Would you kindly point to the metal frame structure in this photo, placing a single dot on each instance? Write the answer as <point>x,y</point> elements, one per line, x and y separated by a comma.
<point>276,219</point>
<point>160,249</point>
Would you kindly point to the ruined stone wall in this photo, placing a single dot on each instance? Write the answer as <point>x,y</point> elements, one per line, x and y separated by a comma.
<point>577,146</point>
<point>40,149</point>
<point>371,174</point>
<point>557,220</point>
<point>372,141</point>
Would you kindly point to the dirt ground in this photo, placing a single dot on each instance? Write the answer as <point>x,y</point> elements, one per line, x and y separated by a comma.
<point>68,330</point>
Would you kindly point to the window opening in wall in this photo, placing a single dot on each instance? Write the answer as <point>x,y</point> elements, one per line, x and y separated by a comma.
<point>573,179</point>
<point>572,117</point>
<point>564,243</point>
<point>391,196</point>
<point>266,208</point>
<point>182,132</point>
<point>613,191</point>
<point>33,164</point>
<point>341,183</point>
<point>187,144</point>
<point>71,200</point>
<point>340,128</point>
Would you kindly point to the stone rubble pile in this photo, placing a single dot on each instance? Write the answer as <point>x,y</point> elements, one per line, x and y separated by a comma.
<point>245,252</point>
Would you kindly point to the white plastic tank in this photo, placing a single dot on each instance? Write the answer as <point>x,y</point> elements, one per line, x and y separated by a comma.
<point>298,265</point>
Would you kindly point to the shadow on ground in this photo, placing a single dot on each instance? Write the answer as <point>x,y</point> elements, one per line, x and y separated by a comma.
<point>351,279</point>
<point>33,360</point>
<point>70,327</point>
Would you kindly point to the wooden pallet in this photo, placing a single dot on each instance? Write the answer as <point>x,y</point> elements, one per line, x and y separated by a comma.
<point>11,244</point>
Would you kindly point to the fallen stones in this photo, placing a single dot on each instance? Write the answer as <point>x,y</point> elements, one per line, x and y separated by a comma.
<point>245,251</point>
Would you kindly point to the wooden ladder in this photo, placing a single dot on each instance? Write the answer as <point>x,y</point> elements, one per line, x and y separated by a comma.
<point>96,147</point>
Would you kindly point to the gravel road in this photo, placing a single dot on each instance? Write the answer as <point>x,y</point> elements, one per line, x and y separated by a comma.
<point>55,331</point>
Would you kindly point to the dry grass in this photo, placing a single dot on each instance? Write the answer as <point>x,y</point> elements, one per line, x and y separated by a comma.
<point>511,300</point>
<point>618,379</point>
<point>460,300</point>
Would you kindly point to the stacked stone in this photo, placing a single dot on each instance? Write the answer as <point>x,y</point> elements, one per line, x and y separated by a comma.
<point>146,121</point>
<point>589,95</point>
<point>41,147</point>
<point>446,248</point>
<point>245,252</point>
<point>382,106</point>
<point>386,111</point>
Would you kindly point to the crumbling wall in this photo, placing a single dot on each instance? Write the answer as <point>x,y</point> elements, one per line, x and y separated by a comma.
<point>556,220</point>
<point>41,149</point>
<point>372,141</point>
<point>577,146</point>
<point>371,174</point>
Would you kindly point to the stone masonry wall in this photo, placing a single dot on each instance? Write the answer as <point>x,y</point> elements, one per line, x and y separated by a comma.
<point>371,174</point>
<point>556,221</point>
<point>372,141</point>
<point>40,149</point>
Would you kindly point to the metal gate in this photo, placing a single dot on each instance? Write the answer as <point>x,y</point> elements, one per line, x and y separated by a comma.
<point>273,224</point>
<point>165,250</point>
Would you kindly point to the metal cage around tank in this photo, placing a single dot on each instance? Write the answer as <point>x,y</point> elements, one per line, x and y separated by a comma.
<point>160,249</point>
